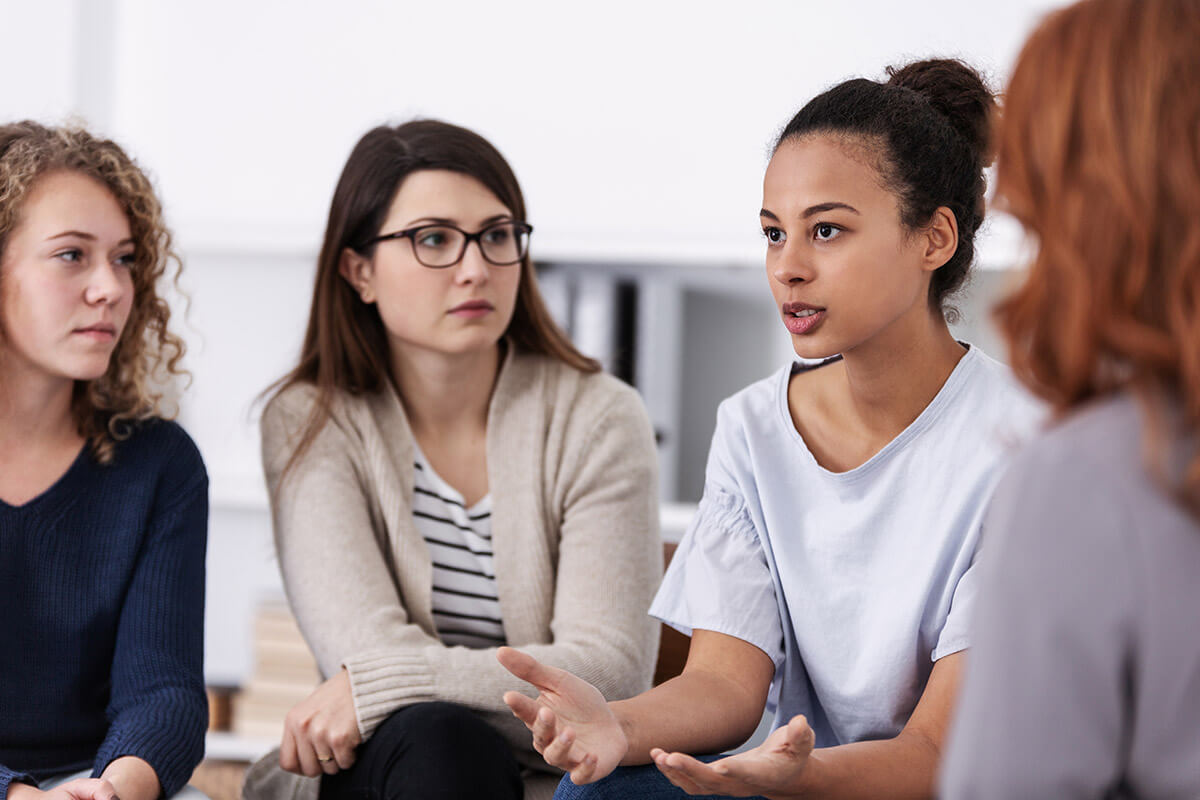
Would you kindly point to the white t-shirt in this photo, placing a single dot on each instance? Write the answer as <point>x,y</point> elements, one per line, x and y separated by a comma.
<point>854,583</point>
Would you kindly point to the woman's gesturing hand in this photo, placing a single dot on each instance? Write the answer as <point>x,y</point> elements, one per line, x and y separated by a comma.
<point>320,734</point>
<point>773,768</point>
<point>573,727</point>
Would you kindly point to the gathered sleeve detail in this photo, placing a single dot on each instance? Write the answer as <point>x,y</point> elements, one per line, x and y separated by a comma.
<point>720,580</point>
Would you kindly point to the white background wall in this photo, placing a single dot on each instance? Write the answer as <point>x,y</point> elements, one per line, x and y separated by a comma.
<point>639,131</point>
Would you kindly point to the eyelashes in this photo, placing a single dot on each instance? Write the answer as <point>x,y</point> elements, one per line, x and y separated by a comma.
<point>820,232</point>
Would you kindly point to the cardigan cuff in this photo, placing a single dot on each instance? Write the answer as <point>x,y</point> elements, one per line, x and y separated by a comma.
<point>382,682</point>
<point>171,742</point>
<point>8,776</point>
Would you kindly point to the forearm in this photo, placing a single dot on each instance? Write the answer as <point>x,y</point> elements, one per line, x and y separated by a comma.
<point>22,791</point>
<point>133,778</point>
<point>696,712</point>
<point>896,769</point>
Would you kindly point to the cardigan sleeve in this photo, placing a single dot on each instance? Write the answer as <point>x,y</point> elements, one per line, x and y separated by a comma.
<point>10,776</point>
<point>158,710</point>
<point>608,566</point>
<point>334,568</point>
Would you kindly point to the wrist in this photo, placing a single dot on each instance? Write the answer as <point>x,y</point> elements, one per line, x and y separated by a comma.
<point>625,725</point>
<point>23,791</point>
<point>807,783</point>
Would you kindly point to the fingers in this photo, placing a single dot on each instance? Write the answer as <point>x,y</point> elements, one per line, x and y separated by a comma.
<point>343,749</point>
<point>529,669</point>
<point>557,751</point>
<point>105,791</point>
<point>307,754</point>
<point>585,771</point>
<point>681,770</point>
<point>800,735</point>
<point>523,708</point>
<point>289,760</point>
<point>90,789</point>
<point>545,729</point>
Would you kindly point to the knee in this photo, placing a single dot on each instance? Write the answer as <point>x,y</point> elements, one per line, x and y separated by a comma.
<point>569,791</point>
<point>435,750</point>
<point>438,727</point>
<point>642,781</point>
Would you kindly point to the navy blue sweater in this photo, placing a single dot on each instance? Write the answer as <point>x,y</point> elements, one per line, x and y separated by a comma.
<point>102,615</point>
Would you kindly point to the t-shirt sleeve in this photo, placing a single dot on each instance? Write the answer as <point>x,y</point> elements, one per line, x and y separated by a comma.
<point>719,579</point>
<point>955,634</point>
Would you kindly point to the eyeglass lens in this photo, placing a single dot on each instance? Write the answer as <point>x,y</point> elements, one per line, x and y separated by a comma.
<point>439,246</point>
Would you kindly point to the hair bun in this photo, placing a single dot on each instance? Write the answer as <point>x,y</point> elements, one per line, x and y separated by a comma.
<point>958,92</point>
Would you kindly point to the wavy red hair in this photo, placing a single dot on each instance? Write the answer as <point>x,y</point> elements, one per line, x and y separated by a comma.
<point>1098,154</point>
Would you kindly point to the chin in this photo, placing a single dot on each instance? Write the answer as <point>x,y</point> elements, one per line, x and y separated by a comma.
<point>813,349</point>
<point>87,372</point>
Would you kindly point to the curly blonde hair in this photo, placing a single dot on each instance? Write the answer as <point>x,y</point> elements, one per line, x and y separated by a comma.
<point>147,355</point>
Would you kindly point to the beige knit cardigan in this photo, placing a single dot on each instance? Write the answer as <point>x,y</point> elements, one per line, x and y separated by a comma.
<point>572,473</point>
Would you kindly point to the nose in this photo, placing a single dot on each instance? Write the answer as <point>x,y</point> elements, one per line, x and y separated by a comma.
<point>789,267</point>
<point>106,285</point>
<point>473,268</point>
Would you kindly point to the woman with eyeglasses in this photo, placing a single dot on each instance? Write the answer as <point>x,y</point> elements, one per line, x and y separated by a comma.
<point>103,501</point>
<point>448,474</point>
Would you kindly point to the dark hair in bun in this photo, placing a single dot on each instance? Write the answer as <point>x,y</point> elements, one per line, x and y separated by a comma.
<point>933,119</point>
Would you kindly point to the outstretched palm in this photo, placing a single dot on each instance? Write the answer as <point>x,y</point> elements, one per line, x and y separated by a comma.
<point>573,727</point>
<point>773,768</point>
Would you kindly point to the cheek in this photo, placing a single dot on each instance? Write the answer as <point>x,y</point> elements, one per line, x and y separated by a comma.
<point>128,294</point>
<point>510,283</point>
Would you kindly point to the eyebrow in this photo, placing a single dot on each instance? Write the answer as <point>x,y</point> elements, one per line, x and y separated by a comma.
<point>817,209</point>
<point>446,221</point>
<point>81,235</point>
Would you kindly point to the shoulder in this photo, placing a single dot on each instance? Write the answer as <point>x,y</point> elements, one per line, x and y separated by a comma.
<point>993,382</point>
<point>755,405</point>
<point>1079,486</point>
<point>287,414</point>
<point>163,453</point>
<point>1099,445</point>
<point>588,395</point>
<point>1072,502</point>
<point>990,406</point>
<point>294,403</point>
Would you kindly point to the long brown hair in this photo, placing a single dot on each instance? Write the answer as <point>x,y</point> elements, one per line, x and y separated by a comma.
<point>147,354</point>
<point>1099,158</point>
<point>345,346</point>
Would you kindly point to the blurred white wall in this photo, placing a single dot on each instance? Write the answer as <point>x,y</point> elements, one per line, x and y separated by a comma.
<point>639,131</point>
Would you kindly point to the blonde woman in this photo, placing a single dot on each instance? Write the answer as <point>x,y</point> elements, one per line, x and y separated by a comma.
<point>103,503</point>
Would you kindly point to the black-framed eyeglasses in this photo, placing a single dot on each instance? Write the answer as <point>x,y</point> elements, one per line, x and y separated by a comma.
<point>441,245</point>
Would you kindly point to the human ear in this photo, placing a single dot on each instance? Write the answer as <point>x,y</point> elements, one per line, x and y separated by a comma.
<point>357,271</point>
<point>941,238</point>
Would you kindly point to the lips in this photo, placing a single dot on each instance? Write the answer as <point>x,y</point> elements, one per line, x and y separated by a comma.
<point>802,318</point>
<point>99,329</point>
<point>473,305</point>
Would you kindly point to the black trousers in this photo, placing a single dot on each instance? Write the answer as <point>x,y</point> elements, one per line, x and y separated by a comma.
<point>430,751</point>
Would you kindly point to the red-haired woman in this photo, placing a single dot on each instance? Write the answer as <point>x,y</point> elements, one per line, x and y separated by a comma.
<point>448,475</point>
<point>1085,676</point>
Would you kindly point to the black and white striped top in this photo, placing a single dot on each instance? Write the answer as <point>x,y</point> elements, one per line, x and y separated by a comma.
<point>466,605</point>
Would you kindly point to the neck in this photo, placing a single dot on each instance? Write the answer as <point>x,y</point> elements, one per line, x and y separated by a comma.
<point>892,378</point>
<point>35,409</point>
<point>445,394</point>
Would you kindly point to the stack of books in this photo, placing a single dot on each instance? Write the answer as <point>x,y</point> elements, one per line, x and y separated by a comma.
<point>285,673</point>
